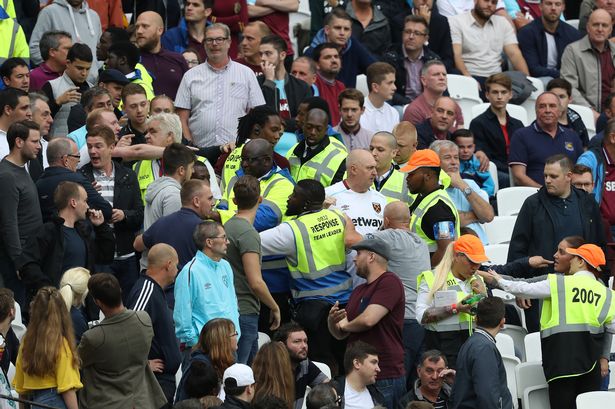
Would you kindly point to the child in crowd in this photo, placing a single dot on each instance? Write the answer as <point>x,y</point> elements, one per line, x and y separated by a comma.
<point>468,162</point>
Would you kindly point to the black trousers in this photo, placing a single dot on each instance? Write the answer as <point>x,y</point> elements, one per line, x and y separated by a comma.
<point>447,342</point>
<point>563,392</point>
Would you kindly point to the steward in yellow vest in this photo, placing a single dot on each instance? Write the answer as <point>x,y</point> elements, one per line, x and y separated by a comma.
<point>318,156</point>
<point>389,181</point>
<point>13,42</point>
<point>434,216</point>
<point>441,293</point>
<point>577,310</point>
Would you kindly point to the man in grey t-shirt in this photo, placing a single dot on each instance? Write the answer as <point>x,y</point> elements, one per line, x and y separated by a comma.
<point>244,255</point>
<point>409,258</point>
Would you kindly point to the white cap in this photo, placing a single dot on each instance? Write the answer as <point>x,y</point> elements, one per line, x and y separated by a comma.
<point>242,374</point>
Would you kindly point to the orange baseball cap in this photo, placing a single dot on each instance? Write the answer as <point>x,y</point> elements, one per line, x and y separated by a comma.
<point>472,247</point>
<point>592,254</point>
<point>424,158</point>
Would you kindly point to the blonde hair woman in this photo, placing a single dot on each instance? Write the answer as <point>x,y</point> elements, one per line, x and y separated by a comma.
<point>441,292</point>
<point>47,368</point>
<point>74,289</point>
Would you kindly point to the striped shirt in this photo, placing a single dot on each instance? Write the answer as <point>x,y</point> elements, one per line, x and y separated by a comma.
<point>216,100</point>
<point>106,183</point>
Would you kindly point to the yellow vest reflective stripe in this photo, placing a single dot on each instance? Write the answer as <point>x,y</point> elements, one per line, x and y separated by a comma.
<point>423,207</point>
<point>461,321</point>
<point>396,188</point>
<point>319,239</point>
<point>321,167</point>
<point>275,192</point>
<point>577,304</point>
<point>231,165</point>
<point>8,31</point>
<point>145,173</point>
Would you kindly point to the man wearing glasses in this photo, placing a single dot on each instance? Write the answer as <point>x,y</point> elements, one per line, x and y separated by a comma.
<point>63,157</point>
<point>212,96</point>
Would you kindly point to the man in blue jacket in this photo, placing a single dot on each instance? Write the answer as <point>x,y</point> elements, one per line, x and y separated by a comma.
<point>480,381</point>
<point>190,33</point>
<point>542,42</point>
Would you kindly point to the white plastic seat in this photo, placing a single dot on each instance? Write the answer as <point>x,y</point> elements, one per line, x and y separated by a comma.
<point>493,171</point>
<point>573,22</point>
<point>530,103</point>
<point>595,400</point>
<point>518,334</point>
<point>19,329</point>
<point>516,111</point>
<point>612,376</point>
<point>510,363</point>
<point>505,344</point>
<point>511,199</point>
<point>460,86</point>
<point>362,84</point>
<point>263,339</point>
<point>324,368</point>
<point>587,116</point>
<point>536,397</point>
<point>499,230</point>
<point>533,350</point>
<point>497,253</point>
<point>529,374</point>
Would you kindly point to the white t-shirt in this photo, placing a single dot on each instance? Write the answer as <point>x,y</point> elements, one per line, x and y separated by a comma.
<point>357,400</point>
<point>4,145</point>
<point>366,211</point>
<point>379,119</point>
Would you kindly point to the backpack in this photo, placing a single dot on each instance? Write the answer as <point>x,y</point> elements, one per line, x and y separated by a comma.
<point>522,88</point>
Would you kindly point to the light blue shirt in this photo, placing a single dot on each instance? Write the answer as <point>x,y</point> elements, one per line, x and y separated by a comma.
<point>462,205</point>
<point>79,136</point>
<point>204,290</point>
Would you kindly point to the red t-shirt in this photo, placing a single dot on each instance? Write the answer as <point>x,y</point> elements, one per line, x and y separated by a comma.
<point>278,24</point>
<point>388,291</point>
<point>329,92</point>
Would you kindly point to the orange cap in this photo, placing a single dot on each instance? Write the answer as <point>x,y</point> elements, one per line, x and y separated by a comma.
<point>424,158</point>
<point>472,247</point>
<point>592,254</point>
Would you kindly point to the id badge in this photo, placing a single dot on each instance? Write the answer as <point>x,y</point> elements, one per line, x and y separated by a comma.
<point>444,231</point>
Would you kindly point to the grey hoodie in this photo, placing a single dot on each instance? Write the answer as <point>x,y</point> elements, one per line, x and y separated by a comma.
<point>162,197</point>
<point>83,25</point>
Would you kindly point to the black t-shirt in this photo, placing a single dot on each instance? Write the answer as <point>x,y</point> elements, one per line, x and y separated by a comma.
<point>74,249</point>
<point>439,212</point>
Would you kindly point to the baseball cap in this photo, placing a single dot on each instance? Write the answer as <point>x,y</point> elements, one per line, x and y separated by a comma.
<point>374,245</point>
<point>424,158</point>
<point>592,254</point>
<point>112,75</point>
<point>240,373</point>
<point>472,247</point>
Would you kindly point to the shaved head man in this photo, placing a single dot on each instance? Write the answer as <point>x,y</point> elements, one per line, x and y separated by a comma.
<point>361,168</point>
<point>406,136</point>
<point>149,29</point>
<point>257,157</point>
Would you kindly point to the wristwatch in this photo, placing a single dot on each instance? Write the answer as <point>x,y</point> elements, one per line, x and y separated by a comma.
<point>467,191</point>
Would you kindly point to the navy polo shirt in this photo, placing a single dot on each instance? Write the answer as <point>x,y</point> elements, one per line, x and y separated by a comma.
<point>531,146</point>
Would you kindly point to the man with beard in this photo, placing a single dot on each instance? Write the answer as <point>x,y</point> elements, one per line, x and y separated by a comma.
<point>167,67</point>
<point>375,315</point>
<point>295,340</point>
<point>542,42</point>
<point>479,38</point>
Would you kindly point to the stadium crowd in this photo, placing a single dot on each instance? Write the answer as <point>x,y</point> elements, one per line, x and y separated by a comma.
<point>205,204</point>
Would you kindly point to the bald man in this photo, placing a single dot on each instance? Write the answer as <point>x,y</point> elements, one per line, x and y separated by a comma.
<point>406,137</point>
<point>389,181</point>
<point>148,295</point>
<point>356,197</point>
<point>586,61</point>
<point>317,156</point>
<point>166,67</point>
<point>437,127</point>
<point>409,258</point>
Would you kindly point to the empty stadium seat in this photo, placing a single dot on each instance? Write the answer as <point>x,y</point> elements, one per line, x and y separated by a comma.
<point>324,368</point>
<point>511,199</point>
<point>493,171</point>
<point>497,253</point>
<point>518,334</point>
<point>536,397</point>
<point>587,116</point>
<point>533,350</point>
<point>510,363</point>
<point>595,400</point>
<point>362,84</point>
<point>530,103</point>
<point>464,90</point>
<point>262,339</point>
<point>528,375</point>
<point>499,230</point>
<point>505,344</point>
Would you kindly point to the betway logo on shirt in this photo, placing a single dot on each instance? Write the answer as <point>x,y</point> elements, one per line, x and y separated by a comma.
<point>367,222</point>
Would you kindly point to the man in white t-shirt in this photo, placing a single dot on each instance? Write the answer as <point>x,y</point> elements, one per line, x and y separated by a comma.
<point>356,197</point>
<point>378,115</point>
<point>358,388</point>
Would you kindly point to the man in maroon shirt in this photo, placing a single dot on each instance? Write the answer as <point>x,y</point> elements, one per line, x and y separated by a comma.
<point>166,67</point>
<point>329,64</point>
<point>375,314</point>
<point>54,47</point>
<point>250,55</point>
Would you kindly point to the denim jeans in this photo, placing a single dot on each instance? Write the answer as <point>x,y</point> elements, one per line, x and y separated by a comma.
<point>48,396</point>
<point>392,390</point>
<point>248,342</point>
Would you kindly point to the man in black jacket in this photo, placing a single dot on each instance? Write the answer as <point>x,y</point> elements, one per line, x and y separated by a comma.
<point>359,384</point>
<point>558,210</point>
<point>78,237</point>
<point>275,78</point>
<point>119,187</point>
<point>63,157</point>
